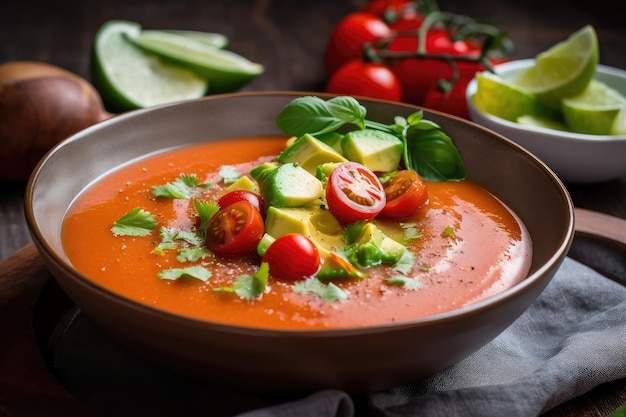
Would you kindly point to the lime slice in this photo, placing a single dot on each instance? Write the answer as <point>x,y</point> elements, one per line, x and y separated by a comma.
<point>563,70</point>
<point>500,98</point>
<point>130,78</point>
<point>225,70</point>
<point>598,110</point>
<point>216,40</point>
<point>543,122</point>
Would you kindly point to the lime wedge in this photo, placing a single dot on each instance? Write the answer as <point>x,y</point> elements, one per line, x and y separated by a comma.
<point>225,70</point>
<point>216,40</point>
<point>598,110</point>
<point>563,70</point>
<point>130,78</point>
<point>498,97</point>
<point>543,122</point>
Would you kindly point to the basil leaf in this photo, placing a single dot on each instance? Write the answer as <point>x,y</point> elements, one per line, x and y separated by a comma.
<point>348,110</point>
<point>307,114</point>
<point>432,154</point>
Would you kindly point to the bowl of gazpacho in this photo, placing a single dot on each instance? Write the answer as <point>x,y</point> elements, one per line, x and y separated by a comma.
<point>292,241</point>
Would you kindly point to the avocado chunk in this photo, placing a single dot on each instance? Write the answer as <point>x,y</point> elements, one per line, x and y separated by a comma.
<point>372,247</point>
<point>244,183</point>
<point>377,150</point>
<point>309,152</point>
<point>288,185</point>
<point>314,222</point>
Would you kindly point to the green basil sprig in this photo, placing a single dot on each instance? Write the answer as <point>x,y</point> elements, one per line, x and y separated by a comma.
<point>427,149</point>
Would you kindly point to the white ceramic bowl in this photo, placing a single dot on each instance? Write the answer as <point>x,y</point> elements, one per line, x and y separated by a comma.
<point>574,157</point>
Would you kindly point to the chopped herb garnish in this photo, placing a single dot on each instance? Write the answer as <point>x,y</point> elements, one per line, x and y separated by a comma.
<point>136,222</point>
<point>196,271</point>
<point>182,187</point>
<point>405,282</point>
<point>229,174</point>
<point>406,262</point>
<point>206,211</point>
<point>249,287</point>
<point>192,254</point>
<point>327,292</point>
<point>448,232</point>
<point>411,231</point>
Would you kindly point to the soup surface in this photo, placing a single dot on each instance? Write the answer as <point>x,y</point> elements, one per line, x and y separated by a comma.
<point>488,251</point>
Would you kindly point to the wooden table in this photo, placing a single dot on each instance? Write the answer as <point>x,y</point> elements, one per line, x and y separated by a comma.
<point>288,38</point>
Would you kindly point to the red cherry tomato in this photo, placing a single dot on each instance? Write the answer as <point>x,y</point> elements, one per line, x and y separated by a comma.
<point>452,101</point>
<point>368,79</point>
<point>347,39</point>
<point>405,193</point>
<point>417,76</point>
<point>398,14</point>
<point>235,230</point>
<point>354,193</point>
<point>238,195</point>
<point>292,257</point>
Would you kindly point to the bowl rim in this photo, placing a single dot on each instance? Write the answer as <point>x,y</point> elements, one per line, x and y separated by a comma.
<point>518,64</point>
<point>473,309</point>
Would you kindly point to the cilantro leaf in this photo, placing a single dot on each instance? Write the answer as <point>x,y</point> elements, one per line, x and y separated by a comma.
<point>182,187</point>
<point>196,271</point>
<point>192,254</point>
<point>206,210</point>
<point>229,174</point>
<point>249,287</point>
<point>136,222</point>
<point>405,263</point>
<point>327,292</point>
<point>405,282</point>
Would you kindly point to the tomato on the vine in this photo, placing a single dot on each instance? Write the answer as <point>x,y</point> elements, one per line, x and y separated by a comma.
<point>368,79</point>
<point>354,192</point>
<point>405,193</point>
<point>235,230</point>
<point>452,101</point>
<point>237,195</point>
<point>348,37</point>
<point>418,75</point>
<point>397,14</point>
<point>292,257</point>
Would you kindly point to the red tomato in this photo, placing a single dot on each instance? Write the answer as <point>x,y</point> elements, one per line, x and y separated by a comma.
<point>452,101</point>
<point>398,14</point>
<point>347,38</point>
<point>235,230</point>
<point>292,257</point>
<point>417,76</point>
<point>368,79</point>
<point>405,193</point>
<point>354,193</point>
<point>238,195</point>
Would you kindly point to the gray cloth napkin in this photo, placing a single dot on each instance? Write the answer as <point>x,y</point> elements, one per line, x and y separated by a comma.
<point>569,341</point>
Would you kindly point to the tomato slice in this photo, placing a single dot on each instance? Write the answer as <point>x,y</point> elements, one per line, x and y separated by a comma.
<point>235,230</point>
<point>292,257</point>
<point>237,195</point>
<point>405,192</point>
<point>354,193</point>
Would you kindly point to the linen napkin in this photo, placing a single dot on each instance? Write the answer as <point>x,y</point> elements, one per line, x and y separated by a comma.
<point>569,341</point>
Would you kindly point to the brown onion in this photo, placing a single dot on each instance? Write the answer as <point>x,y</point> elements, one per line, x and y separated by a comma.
<point>40,105</point>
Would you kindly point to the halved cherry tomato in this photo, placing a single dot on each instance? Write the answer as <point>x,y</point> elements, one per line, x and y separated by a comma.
<point>347,38</point>
<point>292,257</point>
<point>354,193</point>
<point>238,195</point>
<point>235,230</point>
<point>405,193</point>
<point>368,79</point>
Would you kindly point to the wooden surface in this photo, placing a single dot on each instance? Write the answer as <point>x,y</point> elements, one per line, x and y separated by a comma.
<point>288,37</point>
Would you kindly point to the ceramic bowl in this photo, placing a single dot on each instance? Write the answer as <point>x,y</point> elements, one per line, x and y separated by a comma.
<point>360,359</point>
<point>575,157</point>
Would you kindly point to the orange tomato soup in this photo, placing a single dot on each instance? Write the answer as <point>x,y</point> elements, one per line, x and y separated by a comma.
<point>489,252</point>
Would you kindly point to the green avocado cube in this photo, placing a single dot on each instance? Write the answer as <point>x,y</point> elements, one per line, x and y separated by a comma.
<point>379,151</point>
<point>309,152</point>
